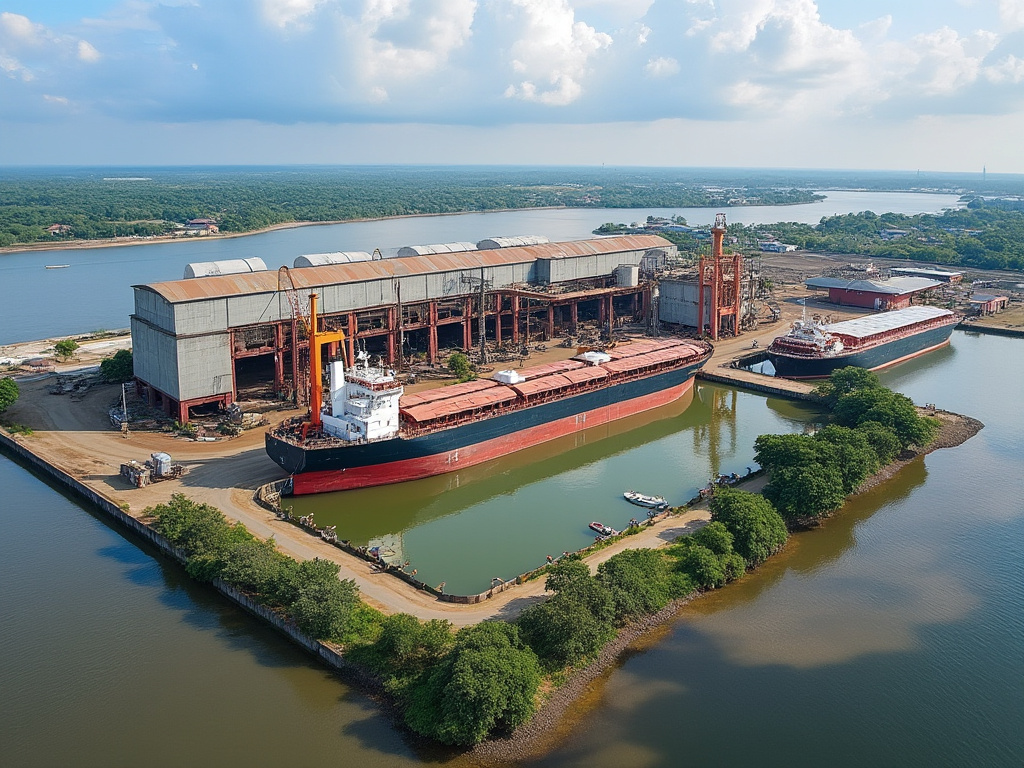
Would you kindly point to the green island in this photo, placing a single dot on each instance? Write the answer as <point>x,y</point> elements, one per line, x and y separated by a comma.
<point>486,680</point>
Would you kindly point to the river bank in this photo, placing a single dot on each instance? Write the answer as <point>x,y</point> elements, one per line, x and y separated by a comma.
<point>68,245</point>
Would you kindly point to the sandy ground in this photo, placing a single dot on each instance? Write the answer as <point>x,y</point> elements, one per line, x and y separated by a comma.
<point>88,356</point>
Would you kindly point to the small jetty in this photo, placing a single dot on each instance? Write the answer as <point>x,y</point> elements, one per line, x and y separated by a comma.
<point>759,382</point>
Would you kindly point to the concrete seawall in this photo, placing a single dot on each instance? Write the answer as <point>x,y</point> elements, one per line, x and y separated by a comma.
<point>325,653</point>
<point>994,330</point>
<point>769,385</point>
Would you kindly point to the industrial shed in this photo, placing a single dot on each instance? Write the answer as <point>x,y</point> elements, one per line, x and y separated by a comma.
<point>197,341</point>
<point>894,293</point>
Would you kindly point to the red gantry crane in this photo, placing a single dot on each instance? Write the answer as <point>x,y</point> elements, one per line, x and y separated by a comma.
<point>719,280</point>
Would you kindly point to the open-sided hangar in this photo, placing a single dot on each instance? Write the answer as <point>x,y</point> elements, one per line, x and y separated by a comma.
<point>195,339</point>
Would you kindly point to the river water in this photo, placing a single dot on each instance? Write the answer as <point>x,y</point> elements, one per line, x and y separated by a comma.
<point>503,517</point>
<point>892,636</point>
<point>94,291</point>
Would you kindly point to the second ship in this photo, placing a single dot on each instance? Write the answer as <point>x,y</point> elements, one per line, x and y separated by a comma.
<point>813,350</point>
<point>371,433</point>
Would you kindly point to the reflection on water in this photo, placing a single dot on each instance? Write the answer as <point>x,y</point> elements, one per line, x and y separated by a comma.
<point>504,517</point>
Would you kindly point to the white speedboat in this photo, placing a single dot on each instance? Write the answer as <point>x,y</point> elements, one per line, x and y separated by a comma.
<point>643,500</point>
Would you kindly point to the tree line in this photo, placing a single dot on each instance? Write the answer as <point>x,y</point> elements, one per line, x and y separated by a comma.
<point>984,235</point>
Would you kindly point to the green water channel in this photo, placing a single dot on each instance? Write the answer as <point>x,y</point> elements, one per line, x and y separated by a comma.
<point>504,517</point>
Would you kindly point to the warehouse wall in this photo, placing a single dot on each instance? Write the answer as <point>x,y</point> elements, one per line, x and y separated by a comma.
<point>678,303</point>
<point>155,356</point>
<point>204,366</point>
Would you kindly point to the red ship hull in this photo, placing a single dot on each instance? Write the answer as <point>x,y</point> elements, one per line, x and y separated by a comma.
<point>470,455</point>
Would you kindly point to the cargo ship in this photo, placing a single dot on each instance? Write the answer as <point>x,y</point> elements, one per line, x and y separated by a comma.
<point>372,433</point>
<point>813,350</point>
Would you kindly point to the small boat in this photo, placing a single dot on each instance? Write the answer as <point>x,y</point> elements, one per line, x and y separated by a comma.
<point>57,266</point>
<point>643,500</point>
<point>603,530</point>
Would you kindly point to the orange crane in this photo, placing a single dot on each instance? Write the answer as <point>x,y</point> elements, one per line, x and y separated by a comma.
<point>311,325</point>
<point>316,385</point>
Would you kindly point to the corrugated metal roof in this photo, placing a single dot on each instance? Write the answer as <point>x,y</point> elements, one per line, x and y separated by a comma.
<point>984,298</point>
<point>335,257</point>
<point>894,286</point>
<point>559,381</point>
<point>423,250</point>
<point>924,271</point>
<point>640,347</point>
<point>469,402</point>
<point>862,327</point>
<point>447,393</point>
<point>196,289</point>
<point>550,368</point>
<point>508,242</point>
<point>635,363</point>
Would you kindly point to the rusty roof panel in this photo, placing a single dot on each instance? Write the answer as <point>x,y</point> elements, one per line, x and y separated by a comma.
<point>657,357</point>
<point>549,369</point>
<point>468,402</point>
<point>307,278</point>
<point>559,381</point>
<point>447,393</point>
<point>591,373</point>
<point>640,346</point>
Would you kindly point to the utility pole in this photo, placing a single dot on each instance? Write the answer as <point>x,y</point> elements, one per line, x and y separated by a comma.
<point>401,325</point>
<point>482,319</point>
<point>124,412</point>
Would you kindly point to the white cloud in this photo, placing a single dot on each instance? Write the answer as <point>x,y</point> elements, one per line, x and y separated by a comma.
<point>283,13</point>
<point>663,66</point>
<point>1011,13</point>
<point>1009,70</point>
<point>508,61</point>
<point>87,53</point>
<point>552,50</point>
<point>17,28</point>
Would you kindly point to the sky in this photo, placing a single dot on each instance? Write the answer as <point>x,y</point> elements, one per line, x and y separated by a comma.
<point>872,84</point>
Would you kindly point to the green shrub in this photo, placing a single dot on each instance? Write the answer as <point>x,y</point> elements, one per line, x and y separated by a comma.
<point>8,393</point>
<point>702,566</point>
<point>486,684</point>
<point>758,530</point>
<point>562,631</point>
<point>65,348</point>
<point>119,368</point>
<point>638,581</point>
